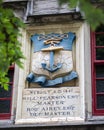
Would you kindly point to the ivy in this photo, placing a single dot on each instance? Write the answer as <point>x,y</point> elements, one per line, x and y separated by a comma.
<point>10,47</point>
<point>92,14</point>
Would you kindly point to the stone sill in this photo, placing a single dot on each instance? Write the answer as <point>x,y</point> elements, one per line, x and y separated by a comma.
<point>10,124</point>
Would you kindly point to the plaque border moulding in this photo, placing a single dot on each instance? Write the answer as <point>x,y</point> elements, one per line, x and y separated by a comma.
<point>79,29</point>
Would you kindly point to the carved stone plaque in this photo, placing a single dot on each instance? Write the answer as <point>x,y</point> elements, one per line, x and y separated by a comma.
<point>52,62</point>
<point>51,104</point>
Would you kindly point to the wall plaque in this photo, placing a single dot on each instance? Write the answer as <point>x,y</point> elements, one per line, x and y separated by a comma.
<point>51,104</point>
<point>52,62</point>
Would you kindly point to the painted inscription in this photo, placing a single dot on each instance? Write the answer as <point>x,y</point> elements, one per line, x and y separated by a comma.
<point>50,103</point>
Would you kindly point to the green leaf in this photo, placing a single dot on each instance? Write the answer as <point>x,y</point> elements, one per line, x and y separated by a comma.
<point>6,87</point>
<point>94,16</point>
<point>10,47</point>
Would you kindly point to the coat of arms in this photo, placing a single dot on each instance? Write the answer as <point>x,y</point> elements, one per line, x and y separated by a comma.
<point>52,61</point>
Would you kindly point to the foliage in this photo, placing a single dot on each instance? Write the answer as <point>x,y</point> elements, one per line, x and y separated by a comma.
<point>93,15</point>
<point>10,48</point>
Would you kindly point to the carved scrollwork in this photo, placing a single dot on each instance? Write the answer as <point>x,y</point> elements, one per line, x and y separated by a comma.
<point>52,36</point>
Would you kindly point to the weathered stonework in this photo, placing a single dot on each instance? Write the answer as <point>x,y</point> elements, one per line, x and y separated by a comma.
<point>64,57</point>
<point>51,105</point>
<point>25,117</point>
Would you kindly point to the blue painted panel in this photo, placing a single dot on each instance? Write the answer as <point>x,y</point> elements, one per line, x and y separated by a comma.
<point>66,42</point>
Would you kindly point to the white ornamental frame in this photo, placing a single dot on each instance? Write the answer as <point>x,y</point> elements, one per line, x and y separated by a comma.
<point>82,55</point>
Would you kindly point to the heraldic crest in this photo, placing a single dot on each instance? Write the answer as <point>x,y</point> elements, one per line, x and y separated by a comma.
<point>52,62</point>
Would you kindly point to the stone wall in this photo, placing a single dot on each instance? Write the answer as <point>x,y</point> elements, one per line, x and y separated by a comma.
<point>74,127</point>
